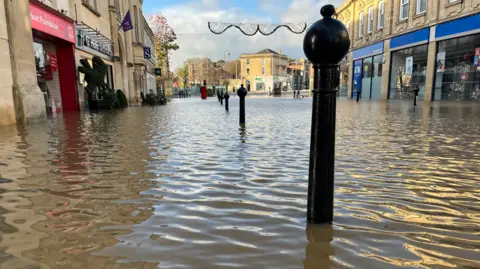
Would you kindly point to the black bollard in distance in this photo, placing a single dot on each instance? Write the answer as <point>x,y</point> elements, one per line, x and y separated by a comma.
<point>226,96</point>
<point>242,92</point>
<point>416,91</point>
<point>325,44</point>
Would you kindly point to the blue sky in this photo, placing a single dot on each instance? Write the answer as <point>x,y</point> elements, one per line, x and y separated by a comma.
<point>189,19</point>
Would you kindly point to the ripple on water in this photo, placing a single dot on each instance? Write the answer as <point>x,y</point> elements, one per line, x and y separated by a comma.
<point>182,186</point>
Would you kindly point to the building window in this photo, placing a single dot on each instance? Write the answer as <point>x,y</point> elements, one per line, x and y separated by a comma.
<point>135,17</point>
<point>452,1</point>
<point>421,6</point>
<point>263,61</point>
<point>381,12</point>
<point>248,61</point>
<point>347,25</point>
<point>91,3</point>
<point>263,70</point>
<point>370,20</point>
<point>360,25</point>
<point>403,9</point>
<point>248,71</point>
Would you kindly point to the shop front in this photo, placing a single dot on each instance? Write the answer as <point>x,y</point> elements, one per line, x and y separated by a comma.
<point>457,72</point>
<point>367,71</point>
<point>90,43</point>
<point>408,68</point>
<point>53,42</point>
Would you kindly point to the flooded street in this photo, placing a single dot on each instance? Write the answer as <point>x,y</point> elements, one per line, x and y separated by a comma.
<point>182,186</point>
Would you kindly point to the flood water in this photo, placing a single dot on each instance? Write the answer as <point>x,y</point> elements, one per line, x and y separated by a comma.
<point>182,186</point>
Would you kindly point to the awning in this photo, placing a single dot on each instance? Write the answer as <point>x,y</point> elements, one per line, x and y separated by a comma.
<point>99,37</point>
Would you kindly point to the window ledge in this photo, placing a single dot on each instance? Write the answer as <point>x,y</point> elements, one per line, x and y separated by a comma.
<point>379,30</point>
<point>402,21</point>
<point>92,9</point>
<point>453,3</point>
<point>421,14</point>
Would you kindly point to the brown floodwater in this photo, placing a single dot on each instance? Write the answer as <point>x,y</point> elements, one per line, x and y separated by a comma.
<point>182,186</point>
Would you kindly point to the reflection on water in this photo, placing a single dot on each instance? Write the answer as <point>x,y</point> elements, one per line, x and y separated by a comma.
<point>183,186</point>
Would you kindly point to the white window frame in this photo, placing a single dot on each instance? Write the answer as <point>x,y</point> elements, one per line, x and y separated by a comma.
<point>381,14</point>
<point>360,24</point>
<point>452,1</point>
<point>370,20</point>
<point>418,7</point>
<point>401,15</point>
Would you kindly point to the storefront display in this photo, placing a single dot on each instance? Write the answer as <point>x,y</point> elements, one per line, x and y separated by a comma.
<point>367,76</point>
<point>408,72</point>
<point>54,36</point>
<point>457,75</point>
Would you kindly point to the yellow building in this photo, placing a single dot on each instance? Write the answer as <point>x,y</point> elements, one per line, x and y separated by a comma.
<point>400,46</point>
<point>264,71</point>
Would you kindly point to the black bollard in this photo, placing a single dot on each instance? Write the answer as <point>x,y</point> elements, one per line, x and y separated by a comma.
<point>358,95</point>
<point>221,98</point>
<point>416,91</point>
<point>226,96</point>
<point>242,92</point>
<point>326,43</point>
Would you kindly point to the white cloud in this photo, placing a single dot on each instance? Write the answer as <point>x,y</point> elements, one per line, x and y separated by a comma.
<point>195,39</point>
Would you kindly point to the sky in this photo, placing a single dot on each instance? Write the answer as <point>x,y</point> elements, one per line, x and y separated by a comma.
<point>189,19</point>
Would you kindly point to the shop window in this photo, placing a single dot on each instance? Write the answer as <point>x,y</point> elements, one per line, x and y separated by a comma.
<point>408,72</point>
<point>421,6</point>
<point>381,13</point>
<point>360,25</point>
<point>458,70</point>
<point>343,87</point>
<point>403,9</point>
<point>370,20</point>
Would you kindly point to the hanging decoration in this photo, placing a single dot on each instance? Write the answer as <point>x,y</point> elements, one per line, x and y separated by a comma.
<point>252,29</point>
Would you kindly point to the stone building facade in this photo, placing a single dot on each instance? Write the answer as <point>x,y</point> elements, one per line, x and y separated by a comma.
<point>42,78</point>
<point>264,71</point>
<point>402,45</point>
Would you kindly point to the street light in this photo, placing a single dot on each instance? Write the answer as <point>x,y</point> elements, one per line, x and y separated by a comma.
<point>225,62</point>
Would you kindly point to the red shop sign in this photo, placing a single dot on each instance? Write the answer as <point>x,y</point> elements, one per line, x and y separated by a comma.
<point>53,62</point>
<point>51,24</point>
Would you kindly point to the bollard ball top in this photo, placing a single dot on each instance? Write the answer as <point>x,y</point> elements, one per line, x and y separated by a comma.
<point>326,41</point>
<point>327,11</point>
<point>242,92</point>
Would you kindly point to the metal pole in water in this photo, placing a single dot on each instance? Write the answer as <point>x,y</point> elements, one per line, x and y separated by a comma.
<point>242,92</point>
<point>226,96</point>
<point>325,44</point>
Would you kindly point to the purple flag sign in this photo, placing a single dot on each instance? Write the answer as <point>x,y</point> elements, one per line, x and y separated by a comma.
<point>127,24</point>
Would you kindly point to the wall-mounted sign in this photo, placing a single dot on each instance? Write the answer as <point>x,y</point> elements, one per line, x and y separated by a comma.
<point>49,23</point>
<point>90,41</point>
<point>53,62</point>
<point>147,53</point>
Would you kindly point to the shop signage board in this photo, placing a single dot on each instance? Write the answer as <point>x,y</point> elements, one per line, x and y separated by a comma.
<point>51,24</point>
<point>53,62</point>
<point>371,50</point>
<point>147,53</point>
<point>411,39</point>
<point>463,26</point>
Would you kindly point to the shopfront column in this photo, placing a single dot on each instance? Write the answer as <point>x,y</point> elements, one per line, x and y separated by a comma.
<point>350,74</point>
<point>29,100</point>
<point>385,70</point>
<point>431,67</point>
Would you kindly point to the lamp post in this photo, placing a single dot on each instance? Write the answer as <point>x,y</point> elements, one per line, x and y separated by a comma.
<point>325,44</point>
